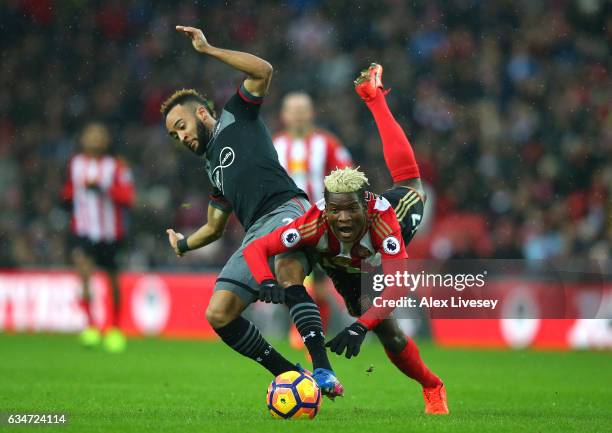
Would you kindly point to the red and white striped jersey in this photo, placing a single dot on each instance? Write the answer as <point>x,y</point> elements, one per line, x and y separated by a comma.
<point>100,190</point>
<point>381,240</point>
<point>309,159</point>
<point>381,244</point>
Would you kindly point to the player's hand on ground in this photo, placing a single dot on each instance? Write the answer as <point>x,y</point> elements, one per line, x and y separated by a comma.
<point>270,291</point>
<point>197,37</point>
<point>173,238</point>
<point>350,339</point>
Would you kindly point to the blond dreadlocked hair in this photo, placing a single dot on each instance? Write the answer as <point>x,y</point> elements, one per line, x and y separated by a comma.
<point>345,180</point>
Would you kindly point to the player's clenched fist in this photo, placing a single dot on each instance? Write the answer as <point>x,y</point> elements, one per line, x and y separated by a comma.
<point>270,291</point>
<point>174,238</point>
<point>197,38</point>
<point>350,339</point>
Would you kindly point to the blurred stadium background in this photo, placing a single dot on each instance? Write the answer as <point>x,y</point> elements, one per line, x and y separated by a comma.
<point>506,102</point>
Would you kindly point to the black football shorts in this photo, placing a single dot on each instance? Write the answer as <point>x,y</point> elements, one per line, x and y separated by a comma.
<point>408,206</point>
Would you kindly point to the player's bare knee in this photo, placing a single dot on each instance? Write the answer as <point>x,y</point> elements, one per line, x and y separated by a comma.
<point>217,317</point>
<point>391,336</point>
<point>289,271</point>
<point>224,307</point>
<point>84,265</point>
<point>84,268</point>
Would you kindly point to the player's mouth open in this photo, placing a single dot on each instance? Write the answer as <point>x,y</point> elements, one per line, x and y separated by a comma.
<point>345,231</point>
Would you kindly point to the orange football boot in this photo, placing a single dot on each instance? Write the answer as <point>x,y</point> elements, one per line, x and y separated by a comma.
<point>369,81</point>
<point>435,400</point>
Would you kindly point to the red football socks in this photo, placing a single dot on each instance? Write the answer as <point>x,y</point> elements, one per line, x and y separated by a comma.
<point>397,151</point>
<point>409,362</point>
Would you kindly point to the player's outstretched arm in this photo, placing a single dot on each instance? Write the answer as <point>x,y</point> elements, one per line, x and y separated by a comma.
<point>258,70</point>
<point>208,233</point>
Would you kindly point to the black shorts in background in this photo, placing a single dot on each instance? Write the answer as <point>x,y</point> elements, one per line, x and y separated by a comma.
<point>104,254</point>
<point>355,288</point>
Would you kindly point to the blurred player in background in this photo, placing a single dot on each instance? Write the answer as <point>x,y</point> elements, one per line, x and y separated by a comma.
<point>308,154</point>
<point>99,190</point>
<point>241,163</point>
<point>350,228</point>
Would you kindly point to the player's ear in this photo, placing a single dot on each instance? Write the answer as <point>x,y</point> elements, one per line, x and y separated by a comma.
<point>201,112</point>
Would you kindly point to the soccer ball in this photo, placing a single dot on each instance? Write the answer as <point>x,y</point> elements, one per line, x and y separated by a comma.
<point>293,395</point>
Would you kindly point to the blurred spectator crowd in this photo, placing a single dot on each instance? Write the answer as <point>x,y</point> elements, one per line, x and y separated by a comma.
<point>507,103</point>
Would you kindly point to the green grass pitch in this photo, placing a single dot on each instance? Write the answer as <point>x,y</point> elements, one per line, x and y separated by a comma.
<point>192,386</point>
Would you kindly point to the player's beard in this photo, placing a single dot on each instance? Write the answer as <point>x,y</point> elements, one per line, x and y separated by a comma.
<point>204,136</point>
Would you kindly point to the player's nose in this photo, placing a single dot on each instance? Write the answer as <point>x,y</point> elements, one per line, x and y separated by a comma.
<point>344,216</point>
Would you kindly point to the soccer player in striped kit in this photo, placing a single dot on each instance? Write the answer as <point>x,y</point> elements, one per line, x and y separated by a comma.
<point>99,190</point>
<point>349,228</point>
<point>308,153</point>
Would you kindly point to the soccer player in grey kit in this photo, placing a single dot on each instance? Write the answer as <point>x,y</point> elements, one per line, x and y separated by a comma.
<point>240,160</point>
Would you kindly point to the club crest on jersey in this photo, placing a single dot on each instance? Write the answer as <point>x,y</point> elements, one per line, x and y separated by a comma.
<point>290,238</point>
<point>391,245</point>
<point>226,158</point>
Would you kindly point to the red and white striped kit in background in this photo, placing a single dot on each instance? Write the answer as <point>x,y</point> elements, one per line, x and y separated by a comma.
<point>309,159</point>
<point>99,215</point>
